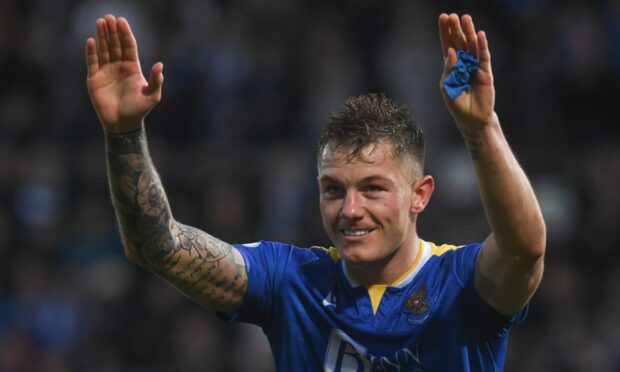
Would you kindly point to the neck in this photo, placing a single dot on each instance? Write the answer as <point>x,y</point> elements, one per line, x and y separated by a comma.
<point>387,270</point>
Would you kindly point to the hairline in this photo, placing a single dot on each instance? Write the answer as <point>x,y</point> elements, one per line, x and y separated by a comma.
<point>410,162</point>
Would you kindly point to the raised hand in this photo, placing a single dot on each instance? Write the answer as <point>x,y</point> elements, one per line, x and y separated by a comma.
<point>473,109</point>
<point>120,94</point>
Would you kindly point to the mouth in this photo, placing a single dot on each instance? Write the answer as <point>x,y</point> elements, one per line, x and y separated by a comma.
<point>355,234</point>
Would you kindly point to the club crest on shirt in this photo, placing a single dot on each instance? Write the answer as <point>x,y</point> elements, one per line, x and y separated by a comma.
<point>417,304</point>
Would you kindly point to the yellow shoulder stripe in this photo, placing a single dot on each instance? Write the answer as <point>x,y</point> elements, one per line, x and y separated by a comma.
<point>441,249</point>
<point>333,252</point>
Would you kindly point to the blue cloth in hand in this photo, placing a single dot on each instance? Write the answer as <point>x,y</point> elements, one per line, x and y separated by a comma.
<point>459,78</point>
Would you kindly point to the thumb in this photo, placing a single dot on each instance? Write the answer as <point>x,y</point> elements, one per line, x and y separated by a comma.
<point>449,61</point>
<point>156,80</point>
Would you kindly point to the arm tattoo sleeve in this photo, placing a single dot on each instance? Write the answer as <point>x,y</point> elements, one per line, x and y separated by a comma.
<point>204,268</point>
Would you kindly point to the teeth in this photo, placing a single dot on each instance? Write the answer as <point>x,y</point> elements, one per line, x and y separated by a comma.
<point>356,232</point>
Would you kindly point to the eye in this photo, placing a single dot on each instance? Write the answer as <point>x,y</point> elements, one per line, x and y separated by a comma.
<point>331,190</point>
<point>374,188</point>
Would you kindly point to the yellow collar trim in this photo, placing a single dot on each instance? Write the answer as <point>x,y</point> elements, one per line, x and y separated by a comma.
<point>412,267</point>
<point>376,291</point>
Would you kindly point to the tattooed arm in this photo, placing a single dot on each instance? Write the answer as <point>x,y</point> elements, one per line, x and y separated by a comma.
<point>510,264</point>
<point>204,268</point>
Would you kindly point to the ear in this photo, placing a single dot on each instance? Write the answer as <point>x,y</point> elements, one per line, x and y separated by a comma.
<point>422,190</point>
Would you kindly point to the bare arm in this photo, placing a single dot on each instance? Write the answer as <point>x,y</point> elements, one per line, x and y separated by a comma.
<point>204,268</point>
<point>510,264</point>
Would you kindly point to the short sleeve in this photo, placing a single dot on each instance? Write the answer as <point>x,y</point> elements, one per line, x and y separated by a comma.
<point>465,263</point>
<point>265,264</point>
<point>486,319</point>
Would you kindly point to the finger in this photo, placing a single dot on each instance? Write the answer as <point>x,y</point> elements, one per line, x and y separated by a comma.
<point>456,33</point>
<point>102,43</point>
<point>156,80</point>
<point>92,62</point>
<point>444,33</point>
<point>470,35</point>
<point>485,53</point>
<point>113,39</point>
<point>128,41</point>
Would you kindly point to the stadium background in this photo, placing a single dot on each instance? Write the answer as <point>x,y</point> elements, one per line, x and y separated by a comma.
<point>248,85</point>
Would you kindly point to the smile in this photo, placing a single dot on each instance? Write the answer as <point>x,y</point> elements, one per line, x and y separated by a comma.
<point>355,232</point>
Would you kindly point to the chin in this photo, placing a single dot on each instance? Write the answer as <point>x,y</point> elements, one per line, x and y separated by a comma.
<point>359,254</point>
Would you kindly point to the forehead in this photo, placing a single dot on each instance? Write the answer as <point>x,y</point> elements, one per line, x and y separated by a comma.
<point>375,158</point>
<point>372,153</point>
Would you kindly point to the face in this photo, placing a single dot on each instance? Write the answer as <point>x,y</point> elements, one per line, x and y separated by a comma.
<point>369,204</point>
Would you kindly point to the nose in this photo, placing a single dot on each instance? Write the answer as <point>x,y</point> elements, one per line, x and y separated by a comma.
<point>353,207</point>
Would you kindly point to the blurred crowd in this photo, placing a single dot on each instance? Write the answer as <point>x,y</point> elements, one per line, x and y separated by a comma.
<point>249,83</point>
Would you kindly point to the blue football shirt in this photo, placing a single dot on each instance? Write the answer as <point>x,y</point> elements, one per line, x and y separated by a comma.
<point>318,319</point>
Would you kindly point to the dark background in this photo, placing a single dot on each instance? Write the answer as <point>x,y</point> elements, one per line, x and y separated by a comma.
<point>248,86</point>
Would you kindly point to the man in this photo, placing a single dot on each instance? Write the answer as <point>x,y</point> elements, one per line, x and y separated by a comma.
<point>382,299</point>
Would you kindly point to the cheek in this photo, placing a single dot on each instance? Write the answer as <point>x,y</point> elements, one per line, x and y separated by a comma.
<point>329,209</point>
<point>396,209</point>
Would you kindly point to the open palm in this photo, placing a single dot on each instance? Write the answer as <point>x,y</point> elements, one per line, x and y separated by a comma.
<point>120,94</point>
<point>473,108</point>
